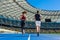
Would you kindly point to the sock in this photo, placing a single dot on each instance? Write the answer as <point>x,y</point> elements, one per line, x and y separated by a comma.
<point>37,33</point>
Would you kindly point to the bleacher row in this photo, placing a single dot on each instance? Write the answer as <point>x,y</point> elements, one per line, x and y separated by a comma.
<point>29,24</point>
<point>11,9</point>
<point>54,15</point>
<point>10,13</point>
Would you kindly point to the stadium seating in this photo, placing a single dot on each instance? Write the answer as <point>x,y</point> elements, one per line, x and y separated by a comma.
<point>10,8</point>
<point>10,11</point>
<point>29,24</point>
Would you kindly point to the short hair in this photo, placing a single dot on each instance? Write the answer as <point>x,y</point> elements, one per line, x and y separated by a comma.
<point>37,11</point>
<point>24,12</point>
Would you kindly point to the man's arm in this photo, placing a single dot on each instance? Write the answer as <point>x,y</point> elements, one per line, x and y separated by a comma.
<point>40,16</point>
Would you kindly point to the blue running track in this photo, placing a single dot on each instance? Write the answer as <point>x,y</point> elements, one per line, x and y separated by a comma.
<point>29,37</point>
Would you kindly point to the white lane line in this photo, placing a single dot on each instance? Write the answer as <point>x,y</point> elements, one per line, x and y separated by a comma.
<point>29,37</point>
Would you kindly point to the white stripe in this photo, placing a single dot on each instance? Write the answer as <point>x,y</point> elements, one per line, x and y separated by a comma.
<point>29,37</point>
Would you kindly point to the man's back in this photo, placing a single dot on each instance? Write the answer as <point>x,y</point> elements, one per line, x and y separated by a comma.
<point>37,17</point>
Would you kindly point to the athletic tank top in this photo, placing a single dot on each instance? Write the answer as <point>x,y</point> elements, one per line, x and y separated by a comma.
<point>23,17</point>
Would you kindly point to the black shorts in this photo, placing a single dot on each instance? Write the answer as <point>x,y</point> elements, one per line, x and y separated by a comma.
<point>22,23</point>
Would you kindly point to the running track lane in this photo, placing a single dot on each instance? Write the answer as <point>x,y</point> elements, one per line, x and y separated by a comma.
<point>29,37</point>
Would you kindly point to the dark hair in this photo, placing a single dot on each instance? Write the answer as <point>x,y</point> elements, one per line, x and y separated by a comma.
<point>24,12</point>
<point>37,11</point>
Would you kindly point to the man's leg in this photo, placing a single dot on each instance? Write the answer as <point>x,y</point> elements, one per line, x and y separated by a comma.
<point>23,28</point>
<point>39,24</point>
<point>23,31</point>
<point>37,27</point>
<point>38,30</point>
